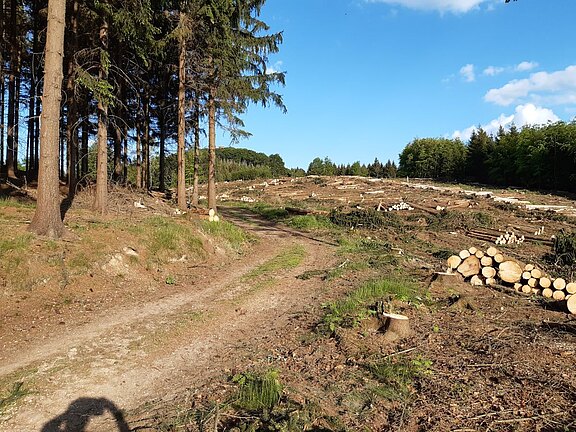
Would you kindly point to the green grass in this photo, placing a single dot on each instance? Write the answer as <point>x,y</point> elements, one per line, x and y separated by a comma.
<point>228,232</point>
<point>349,311</point>
<point>16,244</point>
<point>165,238</point>
<point>309,222</point>
<point>396,376</point>
<point>288,259</point>
<point>16,393</point>
<point>10,202</point>
<point>257,391</point>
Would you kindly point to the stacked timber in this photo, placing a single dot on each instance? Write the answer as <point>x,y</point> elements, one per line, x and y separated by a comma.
<point>491,267</point>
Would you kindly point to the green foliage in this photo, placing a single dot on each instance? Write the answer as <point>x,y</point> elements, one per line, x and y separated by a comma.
<point>367,219</point>
<point>286,260</point>
<point>321,167</point>
<point>257,392</point>
<point>234,236</point>
<point>167,238</point>
<point>564,248</point>
<point>309,222</point>
<point>349,311</point>
<point>437,158</point>
<point>397,374</point>
<point>453,219</point>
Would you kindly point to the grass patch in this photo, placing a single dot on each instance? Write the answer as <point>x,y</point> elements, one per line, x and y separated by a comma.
<point>289,259</point>
<point>16,393</point>
<point>452,220</point>
<point>349,311</point>
<point>267,211</point>
<point>166,238</point>
<point>257,392</point>
<point>15,203</point>
<point>396,376</point>
<point>366,219</point>
<point>228,232</point>
<point>309,222</point>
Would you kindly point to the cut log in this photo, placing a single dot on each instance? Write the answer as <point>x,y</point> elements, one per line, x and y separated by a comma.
<point>395,326</point>
<point>212,212</point>
<point>559,284</point>
<point>510,271</point>
<point>469,267</point>
<point>486,261</point>
<point>499,258</point>
<point>533,282</point>
<point>476,281</point>
<point>571,288</point>
<point>517,287</point>
<point>490,281</point>
<point>558,295</point>
<point>472,250</point>
<point>536,291</point>
<point>489,272</point>
<point>526,289</point>
<point>491,251</point>
<point>547,292</point>
<point>479,254</point>
<point>529,267</point>
<point>571,304</point>
<point>454,261</point>
<point>536,273</point>
<point>526,275</point>
<point>464,254</point>
<point>545,282</point>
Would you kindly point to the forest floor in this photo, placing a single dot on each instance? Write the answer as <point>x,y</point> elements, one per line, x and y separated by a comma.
<point>147,319</point>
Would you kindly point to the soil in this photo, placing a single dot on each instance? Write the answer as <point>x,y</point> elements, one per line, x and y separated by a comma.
<point>126,345</point>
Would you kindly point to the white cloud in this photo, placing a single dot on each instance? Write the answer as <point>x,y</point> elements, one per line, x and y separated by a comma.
<point>454,6</point>
<point>277,67</point>
<point>467,72</point>
<point>526,66</point>
<point>528,114</point>
<point>493,70</point>
<point>552,87</point>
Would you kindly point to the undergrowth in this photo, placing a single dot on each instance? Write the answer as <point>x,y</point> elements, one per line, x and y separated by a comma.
<point>230,233</point>
<point>352,309</point>
<point>396,376</point>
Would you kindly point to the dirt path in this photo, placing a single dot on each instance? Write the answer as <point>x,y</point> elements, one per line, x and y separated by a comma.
<point>159,347</point>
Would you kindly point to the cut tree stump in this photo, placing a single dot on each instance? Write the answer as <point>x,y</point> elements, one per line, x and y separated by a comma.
<point>510,271</point>
<point>469,267</point>
<point>395,326</point>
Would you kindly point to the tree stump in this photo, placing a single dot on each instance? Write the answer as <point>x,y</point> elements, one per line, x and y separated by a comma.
<point>395,326</point>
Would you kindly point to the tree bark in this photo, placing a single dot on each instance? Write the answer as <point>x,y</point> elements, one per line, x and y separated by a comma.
<point>101,200</point>
<point>182,205</point>
<point>211,150</point>
<point>72,120</point>
<point>196,152</point>
<point>47,219</point>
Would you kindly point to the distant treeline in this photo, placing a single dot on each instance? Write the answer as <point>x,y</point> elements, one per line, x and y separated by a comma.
<point>535,157</point>
<point>376,169</point>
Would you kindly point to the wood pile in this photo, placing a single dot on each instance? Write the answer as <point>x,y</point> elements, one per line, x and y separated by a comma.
<point>395,207</point>
<point>491,267</point>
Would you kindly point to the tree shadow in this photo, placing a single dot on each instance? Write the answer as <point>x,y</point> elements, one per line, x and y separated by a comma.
<point>79,413</point>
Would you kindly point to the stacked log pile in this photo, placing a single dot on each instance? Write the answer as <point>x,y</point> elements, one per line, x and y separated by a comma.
<point>491,267</point>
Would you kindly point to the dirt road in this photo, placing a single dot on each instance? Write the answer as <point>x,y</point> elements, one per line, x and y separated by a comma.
<point>85,372</point>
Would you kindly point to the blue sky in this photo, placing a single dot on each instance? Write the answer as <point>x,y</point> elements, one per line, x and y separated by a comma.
<point>365,77</point>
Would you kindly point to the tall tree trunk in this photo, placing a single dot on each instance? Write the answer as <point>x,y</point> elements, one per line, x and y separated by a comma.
<point>196,152</point>
<point>162,149</point>
<point>117,174</point>
<point>125,156</point>
<point>72,120</point>
<point>101,200</point>
<point>138,152</point>
<point>37,131</point>
<point>47,219</point>
<point>182,122</point>
<point>10,159</point>
<point>146,143</point>
<point>211,149</point>
<point>84,147</point>
<point>2,122</point>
